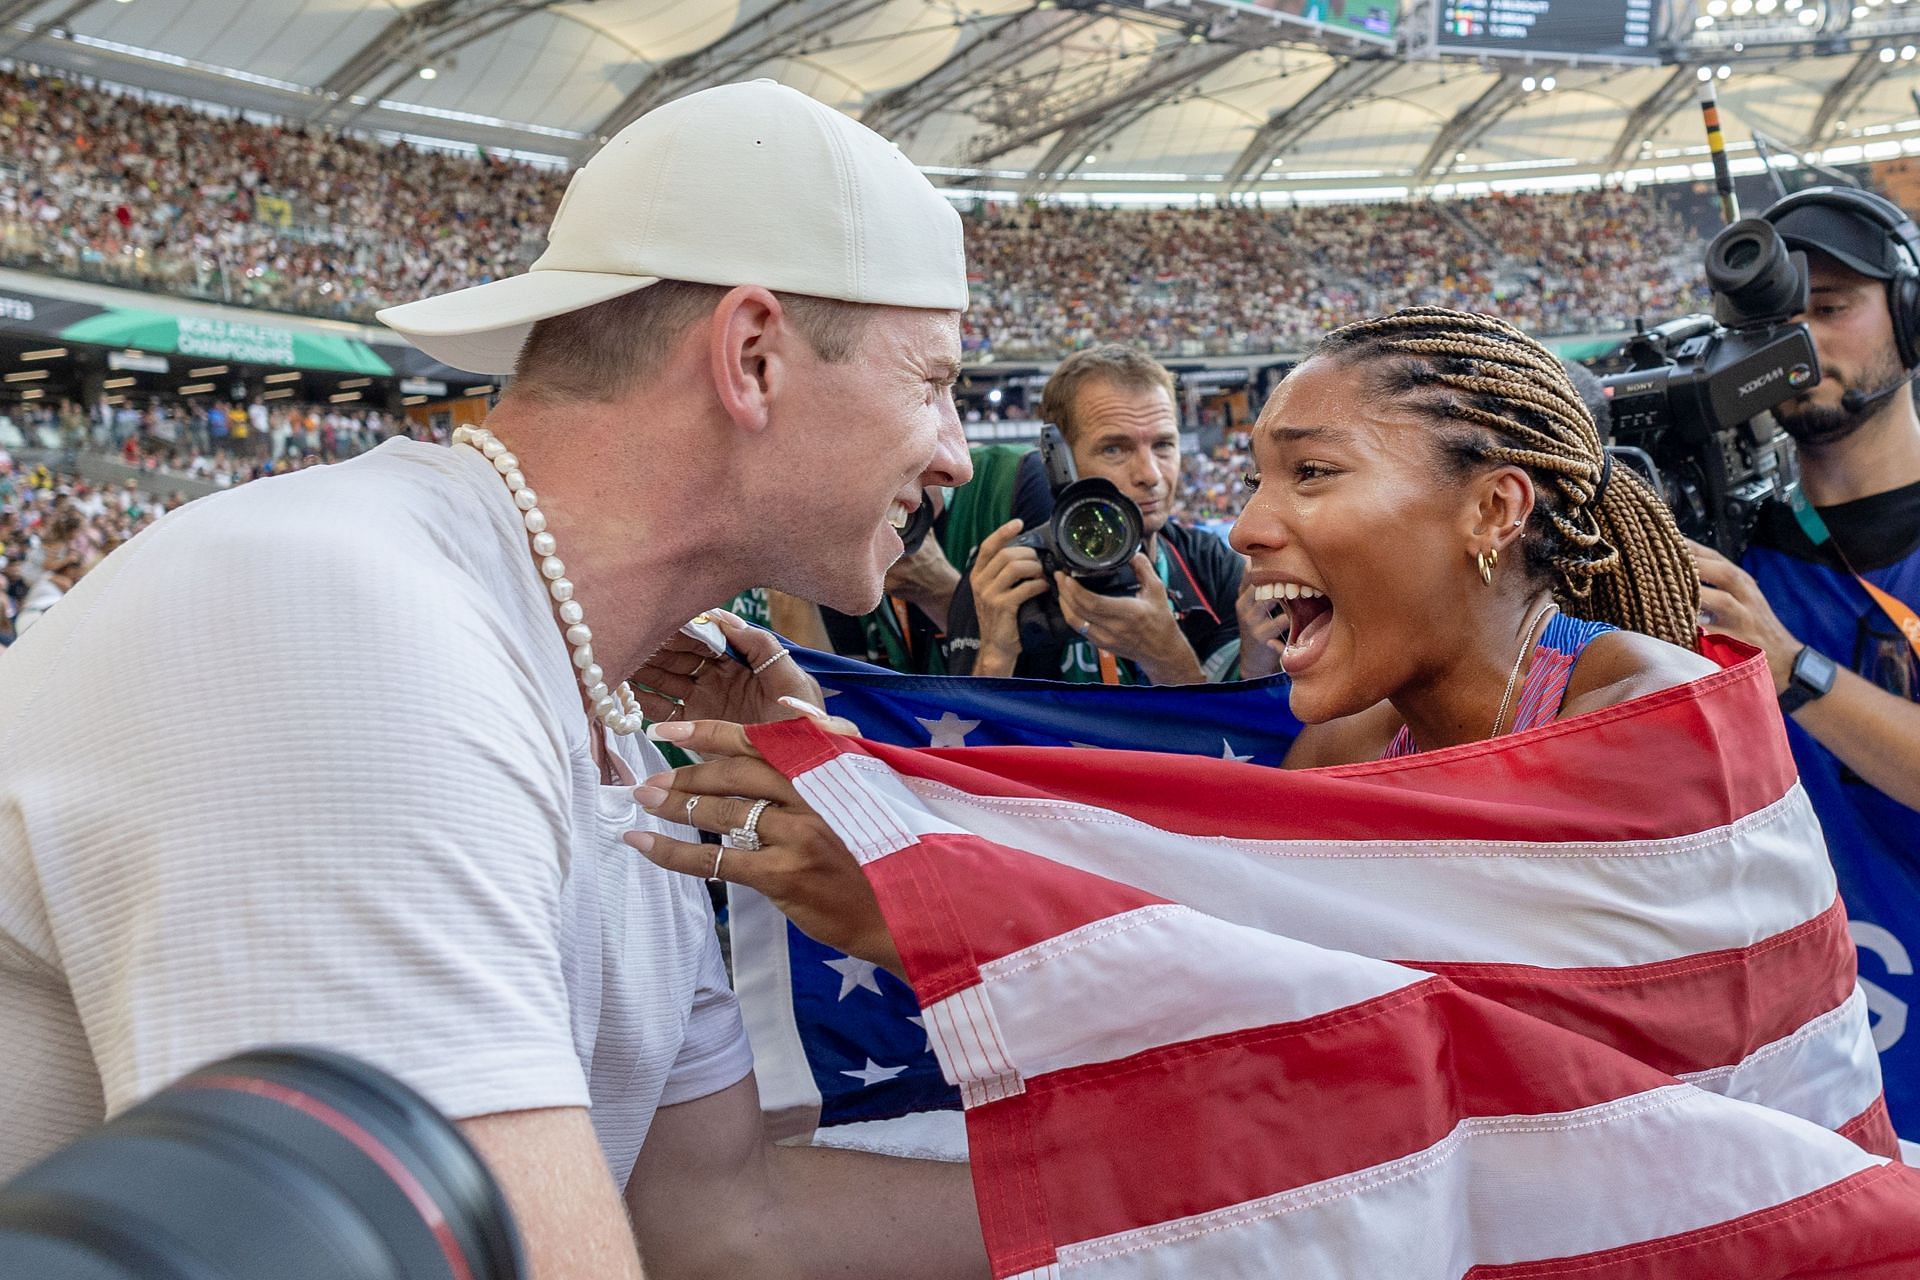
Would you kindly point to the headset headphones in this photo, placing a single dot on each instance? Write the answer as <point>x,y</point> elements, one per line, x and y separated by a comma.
<point>1903,287</point>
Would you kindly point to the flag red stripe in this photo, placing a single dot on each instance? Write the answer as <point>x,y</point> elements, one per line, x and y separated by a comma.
<point>1692,1013</point>
<point>1537,786</point>
<point>1052,899</point>
<point>1872,1129</point>
<point>1866,1227</point>
<point>1388,1077</point>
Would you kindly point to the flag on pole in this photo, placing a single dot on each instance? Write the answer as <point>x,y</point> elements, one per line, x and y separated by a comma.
<point>1576,1001</point>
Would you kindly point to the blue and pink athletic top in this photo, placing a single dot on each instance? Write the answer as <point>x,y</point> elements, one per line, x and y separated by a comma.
<point>1545,688</point>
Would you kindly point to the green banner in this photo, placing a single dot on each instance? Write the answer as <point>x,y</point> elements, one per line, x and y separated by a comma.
<point>237,341</point>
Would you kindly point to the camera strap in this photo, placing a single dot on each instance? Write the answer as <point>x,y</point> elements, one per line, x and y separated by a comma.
<point>1904,619</point>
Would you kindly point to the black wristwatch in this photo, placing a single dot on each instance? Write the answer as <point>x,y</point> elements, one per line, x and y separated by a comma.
<point>1812,677</point>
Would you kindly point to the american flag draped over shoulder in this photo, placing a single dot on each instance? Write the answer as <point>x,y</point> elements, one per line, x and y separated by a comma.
<point>1578,1001</point>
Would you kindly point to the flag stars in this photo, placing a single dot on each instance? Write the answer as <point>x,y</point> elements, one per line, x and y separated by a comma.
<point>854,974</point>
<point>873,1073</point>
<point>949,730</point>
<point>1226,752</point>
<point>920,1021</point>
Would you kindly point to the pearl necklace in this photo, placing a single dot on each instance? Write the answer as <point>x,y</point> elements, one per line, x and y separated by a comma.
<point>617,709</point>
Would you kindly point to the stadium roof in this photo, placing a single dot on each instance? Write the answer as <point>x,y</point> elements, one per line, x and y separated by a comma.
<point>1029,96</point>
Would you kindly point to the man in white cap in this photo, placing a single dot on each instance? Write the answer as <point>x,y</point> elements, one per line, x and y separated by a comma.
<point>343,757</point>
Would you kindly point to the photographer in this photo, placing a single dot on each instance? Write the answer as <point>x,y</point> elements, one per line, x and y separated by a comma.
<point>1845,658</point>
<point>1115,407</point>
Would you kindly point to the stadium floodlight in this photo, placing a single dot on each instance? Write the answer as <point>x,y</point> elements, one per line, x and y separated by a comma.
<point>1717,8</point>
<point>1907,52</point>
<point>1886,55</point>
<point>1809,16</point>
<point>1546,86</point>
<point>1526,85</point>
<point>1702,22</point>
<point>1705,74</point>
<point>1741,8</point>
<point>428,73</point>
<point>1766,6</point>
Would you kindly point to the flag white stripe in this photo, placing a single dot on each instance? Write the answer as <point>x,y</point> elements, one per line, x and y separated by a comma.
<point>1127,983</point>
<point>1556,905</point>
<point>1134,981</point>
<point>762,978</point>
<point>869,808</point>
<point>1827,1071</point>
<point>1501,1190</point>
<point>970,1044</point>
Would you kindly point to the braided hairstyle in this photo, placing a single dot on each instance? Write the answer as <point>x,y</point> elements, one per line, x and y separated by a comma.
<point>1499,398</point>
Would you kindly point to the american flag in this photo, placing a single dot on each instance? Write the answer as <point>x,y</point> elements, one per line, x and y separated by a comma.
<point>840,1054</point>
<point>1579,1001</point>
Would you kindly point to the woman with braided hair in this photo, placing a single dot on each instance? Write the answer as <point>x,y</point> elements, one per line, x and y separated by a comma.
<point>1458,558</point>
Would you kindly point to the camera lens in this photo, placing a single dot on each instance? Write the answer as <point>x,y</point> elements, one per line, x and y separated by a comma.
<point>292,1163</point>
<point>1097,534</point>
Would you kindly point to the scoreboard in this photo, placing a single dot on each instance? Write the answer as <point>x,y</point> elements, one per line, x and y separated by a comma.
<point>1616,29</point>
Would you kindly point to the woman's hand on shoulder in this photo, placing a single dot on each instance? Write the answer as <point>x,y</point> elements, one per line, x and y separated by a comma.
<point>1623,665</point>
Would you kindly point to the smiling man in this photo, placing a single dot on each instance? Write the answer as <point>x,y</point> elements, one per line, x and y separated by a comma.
<point>331,759</point>
<point>1188,623</point>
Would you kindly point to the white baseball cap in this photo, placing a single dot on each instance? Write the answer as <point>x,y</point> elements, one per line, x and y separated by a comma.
<point>741,184</point>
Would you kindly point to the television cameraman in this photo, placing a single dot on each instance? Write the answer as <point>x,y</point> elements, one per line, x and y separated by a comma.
<point>1828,591</point>
<point>1189,622</point>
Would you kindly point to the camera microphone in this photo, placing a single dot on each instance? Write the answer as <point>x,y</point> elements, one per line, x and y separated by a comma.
<point>1855,403</point>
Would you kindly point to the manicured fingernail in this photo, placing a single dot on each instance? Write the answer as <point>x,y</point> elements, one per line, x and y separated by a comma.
<point>728,615</point>
<point>670,732</point>
<point>641,840</point>
<point>804,707</point>
<point>650,797</point>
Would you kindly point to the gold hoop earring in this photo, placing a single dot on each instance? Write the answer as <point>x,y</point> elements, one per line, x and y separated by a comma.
<point>1487,560</point>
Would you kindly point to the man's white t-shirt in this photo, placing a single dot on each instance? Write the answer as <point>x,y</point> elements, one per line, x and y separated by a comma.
<point>306,763</point>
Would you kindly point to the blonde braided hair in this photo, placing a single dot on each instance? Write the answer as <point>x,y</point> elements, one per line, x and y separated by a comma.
<point>1612,551</point>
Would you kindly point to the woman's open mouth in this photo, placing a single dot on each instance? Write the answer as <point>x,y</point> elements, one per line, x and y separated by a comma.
<point>1309,622</point>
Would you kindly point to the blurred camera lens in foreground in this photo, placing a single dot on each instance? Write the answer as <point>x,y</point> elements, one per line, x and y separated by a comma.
<point>295,1164</point>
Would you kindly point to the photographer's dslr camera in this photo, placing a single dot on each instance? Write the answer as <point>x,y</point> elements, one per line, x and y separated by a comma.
<point>1692,416</point>
<point>1092,537</point>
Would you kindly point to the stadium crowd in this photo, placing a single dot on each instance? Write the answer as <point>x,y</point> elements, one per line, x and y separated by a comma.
<point>131,191</point>
<point>207,439</point>
<point>128,191</point>
<point>54,527</point>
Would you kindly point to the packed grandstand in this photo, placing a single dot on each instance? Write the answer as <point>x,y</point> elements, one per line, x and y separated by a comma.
<point>106,186</point>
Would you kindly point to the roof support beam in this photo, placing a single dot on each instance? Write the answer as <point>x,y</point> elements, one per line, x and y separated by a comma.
<point>1348,82</point>
<point>14,10</point>
<point>1171,68</point>
<point>783,28</point>
<point>1070,150</point>
<point>1006,44</point>
<point>1469,125</point>
<point>57,22</point>
<point>1847,93</point>
<point>411,40</point>
<point>1653,109</point>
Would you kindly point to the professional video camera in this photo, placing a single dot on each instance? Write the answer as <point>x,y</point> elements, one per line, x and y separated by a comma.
<point>1092,536</point>
<point>1693,417</point>
<point>293,1163</point>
